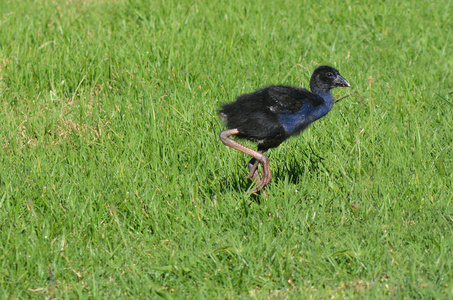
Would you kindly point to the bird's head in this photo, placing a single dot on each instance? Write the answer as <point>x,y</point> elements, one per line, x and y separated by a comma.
<point>326,78</point>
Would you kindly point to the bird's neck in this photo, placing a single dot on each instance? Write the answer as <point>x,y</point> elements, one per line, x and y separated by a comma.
<point>325,94</point>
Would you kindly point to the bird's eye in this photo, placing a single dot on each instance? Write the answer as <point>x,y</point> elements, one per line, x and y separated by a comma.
<point>329,74</point>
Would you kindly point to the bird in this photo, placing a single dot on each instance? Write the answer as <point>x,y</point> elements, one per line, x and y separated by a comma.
<point>274,113</point>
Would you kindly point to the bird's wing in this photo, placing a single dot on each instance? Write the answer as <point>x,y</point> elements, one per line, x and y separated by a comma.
<point>288,98</point>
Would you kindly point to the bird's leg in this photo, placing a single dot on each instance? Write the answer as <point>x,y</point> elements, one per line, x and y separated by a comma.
<point>253,170</point>
<point>253,166</point>
<point>260,157</point>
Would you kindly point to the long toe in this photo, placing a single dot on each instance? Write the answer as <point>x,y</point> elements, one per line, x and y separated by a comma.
<point>264,181</point>
<point>266,172</point>
<point>258,186</point>
<point>253,170</point>
<point>253,174</point>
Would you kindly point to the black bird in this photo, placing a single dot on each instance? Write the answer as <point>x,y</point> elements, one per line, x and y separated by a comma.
<point>271,115</point>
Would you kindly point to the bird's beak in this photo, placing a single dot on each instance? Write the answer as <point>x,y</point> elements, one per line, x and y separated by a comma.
<point>340,81</point>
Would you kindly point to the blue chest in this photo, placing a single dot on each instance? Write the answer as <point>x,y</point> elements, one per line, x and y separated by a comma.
<point>307,114</point>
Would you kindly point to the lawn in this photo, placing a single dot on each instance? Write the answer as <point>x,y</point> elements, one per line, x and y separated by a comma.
<point>114,183</point>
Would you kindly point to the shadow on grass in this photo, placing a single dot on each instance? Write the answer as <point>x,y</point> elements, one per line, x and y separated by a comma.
<point>237,184</point>
<point>292,168</point>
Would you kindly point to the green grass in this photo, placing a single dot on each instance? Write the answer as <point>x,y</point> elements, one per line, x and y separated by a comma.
<point>114,184</point>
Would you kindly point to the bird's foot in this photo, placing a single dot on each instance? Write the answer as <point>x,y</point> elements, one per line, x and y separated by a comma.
<point>253,172</point>
<point>253,175</point>
<point>266,172</point>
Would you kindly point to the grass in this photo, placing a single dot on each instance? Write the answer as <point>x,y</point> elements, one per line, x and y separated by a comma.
<point>114,184</point>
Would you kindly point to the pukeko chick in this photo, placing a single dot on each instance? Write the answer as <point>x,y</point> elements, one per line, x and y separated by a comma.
<point>272,114</point>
